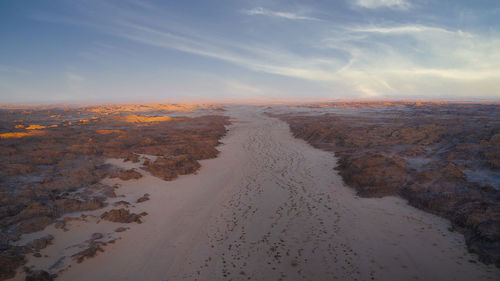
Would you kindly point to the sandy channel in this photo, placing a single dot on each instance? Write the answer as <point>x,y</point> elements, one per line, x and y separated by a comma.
<point>270,207</point>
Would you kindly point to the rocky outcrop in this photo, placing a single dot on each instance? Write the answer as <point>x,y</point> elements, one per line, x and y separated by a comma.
<point>168,168</point>
<point>33,224</point>
<point>374,175</point>
<point>145,197</point>
<point>94,248</point>
<point>121,203</point>
<point>41,243</point>
<point>39,275</point>
<point>73,205</point>
<point>10,260</point>
<point>121,215</point>
<point>96,236</point>
<point>422,152</point>
<point>126,175</point>
<point>121,229</point>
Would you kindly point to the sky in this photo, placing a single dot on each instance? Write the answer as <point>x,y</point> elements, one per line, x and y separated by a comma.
<point>236,50</point>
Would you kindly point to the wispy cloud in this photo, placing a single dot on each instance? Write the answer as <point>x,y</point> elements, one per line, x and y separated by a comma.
<point>417,58</point>
<point>285,15</point>
<point>401,29</point>
<point>375,60</point>
<point>75,81</point>
<point>13,69</point>
<point>393,4</point>
<point>251,56</point>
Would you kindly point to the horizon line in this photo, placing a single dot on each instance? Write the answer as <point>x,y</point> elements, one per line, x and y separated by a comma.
<point>244,101</point>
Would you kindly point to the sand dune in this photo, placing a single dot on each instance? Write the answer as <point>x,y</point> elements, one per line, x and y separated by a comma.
<point>270,207</point>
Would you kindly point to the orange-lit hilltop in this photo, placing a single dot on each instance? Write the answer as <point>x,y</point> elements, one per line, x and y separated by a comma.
<point>118,109</point>
<point>20,121</point>
<point>133,118</point>
<point>16,135</point>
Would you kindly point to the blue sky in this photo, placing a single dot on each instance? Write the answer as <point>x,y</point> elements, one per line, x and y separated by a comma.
<point>130,50</point>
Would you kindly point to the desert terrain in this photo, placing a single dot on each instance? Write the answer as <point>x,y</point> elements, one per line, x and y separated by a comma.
<point>349,140</point>
<point>441,157</point>
<point>54,160</point>
<point>132,194</point>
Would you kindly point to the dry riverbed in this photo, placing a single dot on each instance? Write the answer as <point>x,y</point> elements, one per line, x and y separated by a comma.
<point>269,207</point>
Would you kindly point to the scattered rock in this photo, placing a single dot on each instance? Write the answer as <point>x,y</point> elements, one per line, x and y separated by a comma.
<point>126,175</point>
<point>41,243</point>
<point>96,236</point>
<point>94,248</point>
<point>121,229</point>
<point>121,202</point>
<point>39,275</point>
<point>121,215</point>
<point>145,197</point>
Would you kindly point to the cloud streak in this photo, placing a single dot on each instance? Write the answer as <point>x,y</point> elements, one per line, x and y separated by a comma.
<point>12,69</point>
<point>392,4</point>
<point>283,15</point>
<point>251,56</point>
<point>401,29</point>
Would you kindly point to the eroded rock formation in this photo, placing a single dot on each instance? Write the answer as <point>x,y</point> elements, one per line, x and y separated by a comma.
<point>443,158</point>
<point>121,215</point>
<point>53,160</point>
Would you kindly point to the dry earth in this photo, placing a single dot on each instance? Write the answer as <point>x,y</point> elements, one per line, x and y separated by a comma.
<point>270,207</point>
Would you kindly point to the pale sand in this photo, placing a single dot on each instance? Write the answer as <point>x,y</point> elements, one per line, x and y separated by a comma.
<point>270,207</point>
